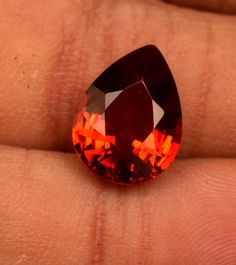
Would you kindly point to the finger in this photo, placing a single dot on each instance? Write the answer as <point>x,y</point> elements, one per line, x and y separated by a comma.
<point>221,6</point>
<point>48,62</point>
<point>53,211</point>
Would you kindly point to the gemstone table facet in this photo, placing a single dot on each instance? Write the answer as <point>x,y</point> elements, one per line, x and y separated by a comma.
<point>130,129</point>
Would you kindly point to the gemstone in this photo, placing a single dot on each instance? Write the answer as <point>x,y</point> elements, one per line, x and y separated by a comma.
<point>130,129</point>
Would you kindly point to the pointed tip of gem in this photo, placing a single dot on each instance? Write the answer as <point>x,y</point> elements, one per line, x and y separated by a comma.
<point>131,127</point>
<point>148,47</point>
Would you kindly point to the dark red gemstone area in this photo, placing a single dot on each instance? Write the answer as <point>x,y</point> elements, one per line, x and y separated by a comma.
<point>130,128</point>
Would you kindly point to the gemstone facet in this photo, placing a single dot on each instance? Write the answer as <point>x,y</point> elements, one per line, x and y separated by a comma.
<point>130,129</point>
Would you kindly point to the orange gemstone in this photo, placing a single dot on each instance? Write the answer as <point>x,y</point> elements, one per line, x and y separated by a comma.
<point>130,128</point>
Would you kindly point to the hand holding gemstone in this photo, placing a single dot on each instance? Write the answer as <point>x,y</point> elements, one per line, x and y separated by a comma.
<point>52,211</point>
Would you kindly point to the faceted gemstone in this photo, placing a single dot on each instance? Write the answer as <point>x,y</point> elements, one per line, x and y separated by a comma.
<point>130,128</point>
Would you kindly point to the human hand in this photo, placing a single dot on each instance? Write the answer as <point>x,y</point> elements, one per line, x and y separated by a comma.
<point>52,209</point>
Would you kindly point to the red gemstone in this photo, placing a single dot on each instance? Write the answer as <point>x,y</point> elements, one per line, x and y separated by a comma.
<point>130,128</point>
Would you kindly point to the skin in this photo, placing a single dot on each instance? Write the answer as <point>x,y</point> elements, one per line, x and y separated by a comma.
<point>222,6</point>
<point>53,210</point>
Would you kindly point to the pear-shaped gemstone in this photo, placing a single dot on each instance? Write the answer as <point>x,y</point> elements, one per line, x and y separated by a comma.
<point>130,128</point>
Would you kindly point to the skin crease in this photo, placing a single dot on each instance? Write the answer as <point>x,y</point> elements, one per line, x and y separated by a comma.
<point>222,6</point>
<point>53,210</point>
